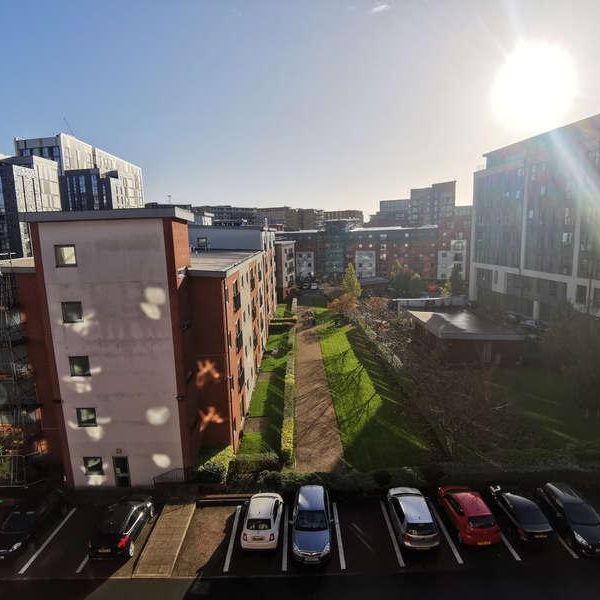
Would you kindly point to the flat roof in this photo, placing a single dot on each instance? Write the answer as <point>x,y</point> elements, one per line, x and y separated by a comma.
<point>21,265</point>
<point>301,231</point>
<point>464,325</point>
<point>391,228</point>
<point>57,216</point>
<point>219,263</point>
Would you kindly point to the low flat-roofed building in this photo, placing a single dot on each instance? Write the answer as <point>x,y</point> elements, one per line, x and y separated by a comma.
<point>464,337</point>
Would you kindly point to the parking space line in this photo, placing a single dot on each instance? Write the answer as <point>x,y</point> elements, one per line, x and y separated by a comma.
<point>238,509</point>
<point>567,547</point>
<point>392,535</point>
<point>284,556</point>
<point>339,537</point>
<point>451,543</point>
<point>82,564</point>
<point>48,540</point>
<point>510,548</point>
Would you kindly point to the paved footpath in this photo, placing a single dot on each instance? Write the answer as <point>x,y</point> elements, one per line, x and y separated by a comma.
<point>318,445</point>
<point>160,553</point>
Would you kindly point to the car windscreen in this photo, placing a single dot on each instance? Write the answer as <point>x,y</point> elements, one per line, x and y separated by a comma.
<point>258,524</point>
<point>582,514</point>
<point>18,521</point>
<point>311,520</point>
<point>482,521</point>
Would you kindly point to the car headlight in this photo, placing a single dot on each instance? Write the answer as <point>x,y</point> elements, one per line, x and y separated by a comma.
<point>327,548</point>
<point>16,546</point>
<point>295,549</point>
<point>581,540</point>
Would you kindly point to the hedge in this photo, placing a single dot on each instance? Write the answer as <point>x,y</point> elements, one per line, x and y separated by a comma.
<point>214,464</point>
<point>288,424</point>
<point>253,463</point>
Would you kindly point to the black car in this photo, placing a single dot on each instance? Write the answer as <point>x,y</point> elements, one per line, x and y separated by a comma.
<point>524,514</point>
<point>120,526</point>
<point>26,519</point>
<point>572,516</point>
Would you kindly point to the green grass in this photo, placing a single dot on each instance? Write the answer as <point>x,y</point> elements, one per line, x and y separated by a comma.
<point>378,429</point>
<point>282,310</point>
<point>279,341</point>
<point>545,400</point>
<point>254,443</point>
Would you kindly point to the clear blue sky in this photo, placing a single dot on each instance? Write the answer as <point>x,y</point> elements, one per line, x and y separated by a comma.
<point>323,103</point>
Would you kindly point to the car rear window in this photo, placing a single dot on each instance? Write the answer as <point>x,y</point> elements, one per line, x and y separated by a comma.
<point>482,522</point>
<point>18,521</point>
<point>258,524</point>
<point>421,528</point>
<point>114,520</point>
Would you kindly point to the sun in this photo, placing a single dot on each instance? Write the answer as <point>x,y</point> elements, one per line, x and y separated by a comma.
<point>535,87</point>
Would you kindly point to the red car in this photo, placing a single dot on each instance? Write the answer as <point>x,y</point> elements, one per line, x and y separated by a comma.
<point>470,515</point>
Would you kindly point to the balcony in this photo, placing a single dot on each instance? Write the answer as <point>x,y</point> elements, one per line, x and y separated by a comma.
<point>252,283</point>
<point>237,302</point>
<point>241,380</point>
<point>239,341</point>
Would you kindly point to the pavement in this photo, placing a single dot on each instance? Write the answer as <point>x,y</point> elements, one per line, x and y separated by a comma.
<point>160,553</point>
<point>318,443</point>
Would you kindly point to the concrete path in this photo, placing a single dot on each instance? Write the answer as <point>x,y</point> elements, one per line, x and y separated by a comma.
<point>160,553</point>
<point>318,445</point>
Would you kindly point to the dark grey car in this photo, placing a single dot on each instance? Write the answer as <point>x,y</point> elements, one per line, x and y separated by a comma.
<point>311,525</point>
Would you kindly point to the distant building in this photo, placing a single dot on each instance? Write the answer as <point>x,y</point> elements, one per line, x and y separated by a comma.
<point>285,268</point>
<point>310,218</point>
<point>536,223</point>
<point>282,218</point>
<point>27,184</point>
<point>92,178</point>
<point>225,215</point>
<point>454,243</point>
<point>353,215</point>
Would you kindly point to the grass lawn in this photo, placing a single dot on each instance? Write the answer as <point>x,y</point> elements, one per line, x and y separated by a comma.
<point>282,311</point>
<point>378,428</point>
<point>546,399</point>
<point>254,443</point>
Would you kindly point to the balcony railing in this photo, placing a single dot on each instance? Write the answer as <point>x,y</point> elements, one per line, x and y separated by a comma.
<point>252,283</point>
<point>241,380</point>
<point>239,341</point>
<point>237,302</point>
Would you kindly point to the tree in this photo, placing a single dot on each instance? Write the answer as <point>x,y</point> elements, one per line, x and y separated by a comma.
<point>400,279</point>
<point>457,283</point>
<point>350,283</point>
<point>345,304</point>
<point>416,285</point>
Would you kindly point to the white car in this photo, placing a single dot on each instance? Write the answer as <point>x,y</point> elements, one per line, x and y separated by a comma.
<point>262,521</point>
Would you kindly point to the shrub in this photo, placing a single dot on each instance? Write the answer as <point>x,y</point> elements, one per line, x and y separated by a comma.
<point>288,425</point>
<point>287,441</point>
<point>214,464</point>
<point>254,463</point>
<point>382,478</point>
<point>269,480</point>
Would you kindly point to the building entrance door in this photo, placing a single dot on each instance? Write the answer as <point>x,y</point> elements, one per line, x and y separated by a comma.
<point>121,466</point>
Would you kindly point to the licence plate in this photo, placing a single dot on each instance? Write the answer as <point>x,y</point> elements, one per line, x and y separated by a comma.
<point>483,543</point>
<point>258,539</point>
<point>541,536</point>
<point>104,550</point>
<point>311,559</point>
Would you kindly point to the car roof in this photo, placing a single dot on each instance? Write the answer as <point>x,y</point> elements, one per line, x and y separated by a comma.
<point>398,491</point>
<point>471,503</point>
<point>564,492</point>
<point>311,497</point>
<point>415,508</point>
<point>261,506</point>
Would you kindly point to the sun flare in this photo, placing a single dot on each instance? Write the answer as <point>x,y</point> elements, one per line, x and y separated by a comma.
<point>535,87</point>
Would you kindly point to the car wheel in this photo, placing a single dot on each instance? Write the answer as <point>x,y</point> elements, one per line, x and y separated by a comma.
<point>131,549</point>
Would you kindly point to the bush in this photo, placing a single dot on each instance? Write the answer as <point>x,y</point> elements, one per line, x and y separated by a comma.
<point>214,464</point>
<point>288,425</point>
<point>382,478</point>
<point>269,480</point>
<point>253,463</point>
<point>287,441</point>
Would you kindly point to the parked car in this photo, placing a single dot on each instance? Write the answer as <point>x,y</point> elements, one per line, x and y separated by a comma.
<point>311,525</point>
<point>470,515</point>
<point>411,519</point>
<point>262,521</point>
<point>572,516</point>
<point>26,519</point>
<point>120,526</point>
<point>523,513</point>
<point>314,285</point>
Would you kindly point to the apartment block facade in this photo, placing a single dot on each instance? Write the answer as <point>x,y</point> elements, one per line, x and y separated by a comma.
<point>285,266</point>
<point>225,215</point>
<point>92,178</point>
<point>141,353</point>
<point>536,223</point>
<point>354,215</point>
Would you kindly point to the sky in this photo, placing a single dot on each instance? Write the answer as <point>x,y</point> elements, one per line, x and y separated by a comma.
<point>329,104</point>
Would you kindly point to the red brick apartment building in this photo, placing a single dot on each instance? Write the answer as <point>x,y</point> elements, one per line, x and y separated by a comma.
<point>139,353</point>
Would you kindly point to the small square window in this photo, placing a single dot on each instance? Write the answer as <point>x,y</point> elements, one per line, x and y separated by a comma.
<point>72,312</point>
<point>86,417</point>
<point>65,256</point>
<point>93,465</point>
<point>80,366</point>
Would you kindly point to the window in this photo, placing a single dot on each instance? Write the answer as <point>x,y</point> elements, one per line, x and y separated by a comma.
<point>596,298</point>
<point>495,276</point>
<point>581,294</point>
<point>86,417</point>
<point>93,465</point>
<point>65,256</point>
<point>201,244</point>
<point>80,366</point>
<point>72,312</point>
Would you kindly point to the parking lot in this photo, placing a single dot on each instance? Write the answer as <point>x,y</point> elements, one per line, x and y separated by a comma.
<point>363,544</point>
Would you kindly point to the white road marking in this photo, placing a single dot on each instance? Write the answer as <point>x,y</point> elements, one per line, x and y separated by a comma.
<point>510,548</point>
<point>284,556</point>
<point>392,534</point>
<point>48,540</point>
<point>83,563</point>
<point>451,543</point>
<point>232,539</point>
<point>339,537</point>
<point>567,547</point>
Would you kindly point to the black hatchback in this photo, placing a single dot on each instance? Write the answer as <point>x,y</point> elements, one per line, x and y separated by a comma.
<point>26,519</point>
<point>120,526</point>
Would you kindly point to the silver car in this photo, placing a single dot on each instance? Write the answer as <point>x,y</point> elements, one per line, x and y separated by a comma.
<point>311,525</point>
<point>412,519</point>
